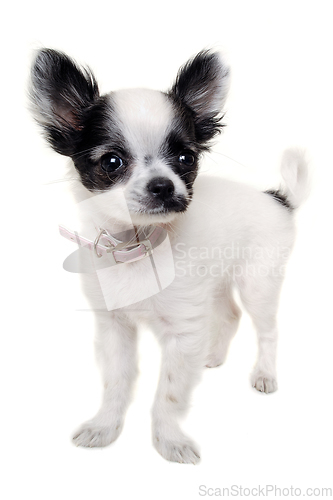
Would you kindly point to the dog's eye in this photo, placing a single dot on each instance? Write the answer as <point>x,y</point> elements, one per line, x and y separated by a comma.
<point>187,159</point>
<point>111,162</point>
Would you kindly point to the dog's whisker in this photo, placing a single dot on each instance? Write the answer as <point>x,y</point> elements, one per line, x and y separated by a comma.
<point>55,181</point>
<point>213,152</point>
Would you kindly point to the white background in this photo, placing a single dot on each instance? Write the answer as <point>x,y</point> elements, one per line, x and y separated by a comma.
<point>280,56</point>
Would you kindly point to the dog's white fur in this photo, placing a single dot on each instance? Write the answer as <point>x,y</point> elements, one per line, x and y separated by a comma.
<point>196,316</point>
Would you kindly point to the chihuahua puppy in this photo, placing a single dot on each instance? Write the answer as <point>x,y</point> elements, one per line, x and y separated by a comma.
<point>135,155</point>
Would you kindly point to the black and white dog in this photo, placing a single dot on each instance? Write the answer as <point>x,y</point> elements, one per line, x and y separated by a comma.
<point>135,154</point>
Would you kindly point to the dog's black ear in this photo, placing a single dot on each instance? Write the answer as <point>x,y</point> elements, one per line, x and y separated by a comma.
<point>202,86</point>
<point>61,94</point>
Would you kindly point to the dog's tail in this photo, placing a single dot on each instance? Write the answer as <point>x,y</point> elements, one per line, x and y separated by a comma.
<point>295,173</point>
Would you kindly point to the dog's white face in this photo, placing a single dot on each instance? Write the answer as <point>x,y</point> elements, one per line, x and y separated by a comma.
<point>143,143</point>
<point>155,180</point>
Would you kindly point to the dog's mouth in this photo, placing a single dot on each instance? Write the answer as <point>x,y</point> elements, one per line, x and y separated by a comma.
<point>150,206</point>
<point>155,211</point>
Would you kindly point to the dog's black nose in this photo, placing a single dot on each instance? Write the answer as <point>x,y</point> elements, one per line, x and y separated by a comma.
<point>161,188</point>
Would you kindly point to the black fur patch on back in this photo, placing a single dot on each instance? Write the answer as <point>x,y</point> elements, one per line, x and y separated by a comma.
<point>280,198</point>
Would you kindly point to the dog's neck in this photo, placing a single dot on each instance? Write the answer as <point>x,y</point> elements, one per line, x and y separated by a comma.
<point>92,219</point>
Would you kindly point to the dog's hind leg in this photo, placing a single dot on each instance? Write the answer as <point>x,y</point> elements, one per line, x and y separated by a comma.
<point>260,298</point>
<point>225,321</point>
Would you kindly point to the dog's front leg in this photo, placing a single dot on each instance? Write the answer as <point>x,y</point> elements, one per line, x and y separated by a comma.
<point>183,356</point>
<point>116,353</point>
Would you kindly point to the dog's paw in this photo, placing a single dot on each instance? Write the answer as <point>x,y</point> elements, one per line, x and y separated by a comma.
<point>92,435</point>
<point>264,382</point>
<point>214,360</point>
<point>182,450</point>
<point>217,355</point>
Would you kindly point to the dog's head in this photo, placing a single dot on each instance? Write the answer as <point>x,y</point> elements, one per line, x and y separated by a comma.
<point>146,142</point>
